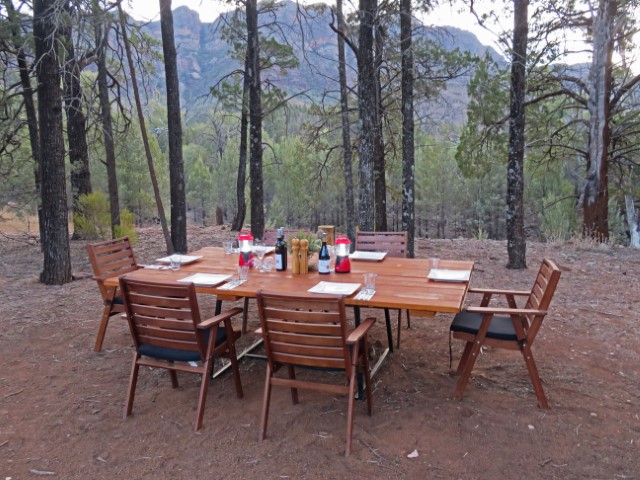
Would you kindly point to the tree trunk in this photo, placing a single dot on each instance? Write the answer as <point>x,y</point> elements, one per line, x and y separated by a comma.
<point>596,190</point>
<point>255,122</point>
<point>379,179</point>
<point>55,235</point>
<point>143,132</point>
<point>516,242</point>
<point>632,221</point>
<point>29,105</point>
<point>76,121</point>
<point>346,128</point>
<point>408,161</point>
<point>241,211</point>
<point>174,124</point>
<point>367,113</point>
<point>101,38</point>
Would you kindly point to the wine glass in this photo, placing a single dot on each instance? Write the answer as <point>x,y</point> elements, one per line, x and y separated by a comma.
<point>260,251</point>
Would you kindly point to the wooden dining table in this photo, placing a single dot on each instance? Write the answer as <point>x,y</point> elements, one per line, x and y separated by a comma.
<point>401,283</point>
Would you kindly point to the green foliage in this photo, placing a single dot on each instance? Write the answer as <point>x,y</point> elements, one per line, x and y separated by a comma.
<point>314,242</point>
<point>93,220</point>
<point>126,227</point>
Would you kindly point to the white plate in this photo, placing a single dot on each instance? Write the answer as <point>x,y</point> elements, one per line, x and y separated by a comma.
<point>265,249</point>
<point>206,279</point>
<point>183,259</point>
<point>335,288</point>
<point>368,256</point>
<point>450,275</point>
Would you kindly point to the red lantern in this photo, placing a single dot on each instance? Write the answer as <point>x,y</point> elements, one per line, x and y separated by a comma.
<point>245,242</point>
<point>342,250</point>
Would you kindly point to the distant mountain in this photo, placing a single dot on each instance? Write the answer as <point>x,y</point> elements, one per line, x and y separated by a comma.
<point>203,56</point>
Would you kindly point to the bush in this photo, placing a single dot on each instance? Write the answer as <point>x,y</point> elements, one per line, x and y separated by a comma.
<point>94,220</point>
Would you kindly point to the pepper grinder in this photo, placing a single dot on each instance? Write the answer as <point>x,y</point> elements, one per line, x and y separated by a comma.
<point>295,256</point>
<point>304,256</point>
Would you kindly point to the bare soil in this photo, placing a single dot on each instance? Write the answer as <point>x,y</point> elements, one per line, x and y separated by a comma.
<point>61,404</point>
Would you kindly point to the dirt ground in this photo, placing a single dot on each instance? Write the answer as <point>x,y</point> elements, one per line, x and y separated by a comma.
<point>61,404</point>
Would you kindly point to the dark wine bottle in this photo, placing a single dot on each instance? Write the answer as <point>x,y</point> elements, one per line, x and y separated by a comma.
<point>281,251</point>
<point>324,259</point>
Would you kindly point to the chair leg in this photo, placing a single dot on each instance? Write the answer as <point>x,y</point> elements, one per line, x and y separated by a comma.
<point>131,390</point>
<point>387,319</point>
<point>245,315</point>
<point>204,389</point>
<point>294,391</point>
<point>464,357</point>
<point>351,397</point>
<point>367,376</point>
<point>467,368</point>
<point>174,378</point>
<point>266,399</point>
<point>102,330</point>
<point>535,378</point>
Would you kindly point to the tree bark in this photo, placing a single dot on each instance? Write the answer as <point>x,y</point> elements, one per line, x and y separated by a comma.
<point>76,121</point>
<point>241,211</point>
<point>408,160</point>
<point>101,38</point>
<point>29,105</point>
<point>143,131</point>
<point>255,122</point>
<point>596,190</point>
<point>516,242</point>
<point>379,179</point>
<point>346,128</point>
<point>632,222</point>
<point>174,124</point>
<point>55,235</point>
<point>367,113</point>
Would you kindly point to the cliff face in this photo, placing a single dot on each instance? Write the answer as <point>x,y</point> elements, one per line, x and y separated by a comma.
<point>204,58</point>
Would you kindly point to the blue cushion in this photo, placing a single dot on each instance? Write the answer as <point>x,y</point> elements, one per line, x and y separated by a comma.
<point>176,355</point>
<point>118,300</point>
<point>501,328</point>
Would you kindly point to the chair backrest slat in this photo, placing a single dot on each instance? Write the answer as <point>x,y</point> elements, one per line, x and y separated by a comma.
<point>306,330</point>
<point>541,295</point>
<point>112,257</point>
<point>394,243</point>
<point>163,314</point>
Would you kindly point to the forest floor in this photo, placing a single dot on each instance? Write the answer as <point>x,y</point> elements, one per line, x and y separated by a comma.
<point>61,404</point>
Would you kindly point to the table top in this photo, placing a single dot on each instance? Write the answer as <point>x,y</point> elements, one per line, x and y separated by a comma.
<point>401,282</point>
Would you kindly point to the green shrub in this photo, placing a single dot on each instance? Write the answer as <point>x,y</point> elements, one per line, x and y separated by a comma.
<point>94,220</point>
<point>126,227</point>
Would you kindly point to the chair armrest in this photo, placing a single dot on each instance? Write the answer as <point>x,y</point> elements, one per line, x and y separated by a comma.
<point>498,291</point>
<point>505,311</point>
<point>258,331</point>
<point>227,314</point>
<point>360,331</point>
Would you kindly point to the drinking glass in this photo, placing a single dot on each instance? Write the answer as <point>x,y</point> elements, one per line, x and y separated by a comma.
<point>260,252</point>
<point>434,263</point>
<point>370,282</point>
<point>243,272</point>
<point>174,262</point>
<point>228,247</point>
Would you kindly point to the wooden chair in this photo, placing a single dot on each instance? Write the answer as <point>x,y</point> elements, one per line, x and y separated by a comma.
<point>507,327</point>
<point>395,244</point>
<point>110,258</point>
<point>168,333</point>
<point>311,331</point>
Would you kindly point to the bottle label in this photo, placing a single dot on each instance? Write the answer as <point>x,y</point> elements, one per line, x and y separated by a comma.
<point>279,262</point>
<point>324,266</point>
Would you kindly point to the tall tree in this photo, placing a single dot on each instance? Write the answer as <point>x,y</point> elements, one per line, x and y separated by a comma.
<point>76,120</point>
<point>255,121</point>
<point>379,167</point>
<point>367,106</point>
<point>174,123</point>
<point>143,130</point>
<point>408,148</point>
<point>596,189</point>
<point>516,241</point>
<point>346,126</point>
<point>55,236</point>
<point>241,179</point>
<point>101,35</point>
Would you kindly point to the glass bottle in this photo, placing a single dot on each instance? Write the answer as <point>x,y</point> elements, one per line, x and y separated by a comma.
<point>281,251</point>
<point>324,259</point>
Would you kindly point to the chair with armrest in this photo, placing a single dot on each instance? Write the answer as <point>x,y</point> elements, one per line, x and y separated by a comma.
<point>310,331</point>
<point>395,244</point>
<point>506,327</point>
<point>110,258</point>
<point>164,319</point>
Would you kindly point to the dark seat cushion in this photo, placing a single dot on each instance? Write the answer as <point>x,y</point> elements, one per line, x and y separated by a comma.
<point>118,300</point>
<point>176,355</point>
<point>501,328</point>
